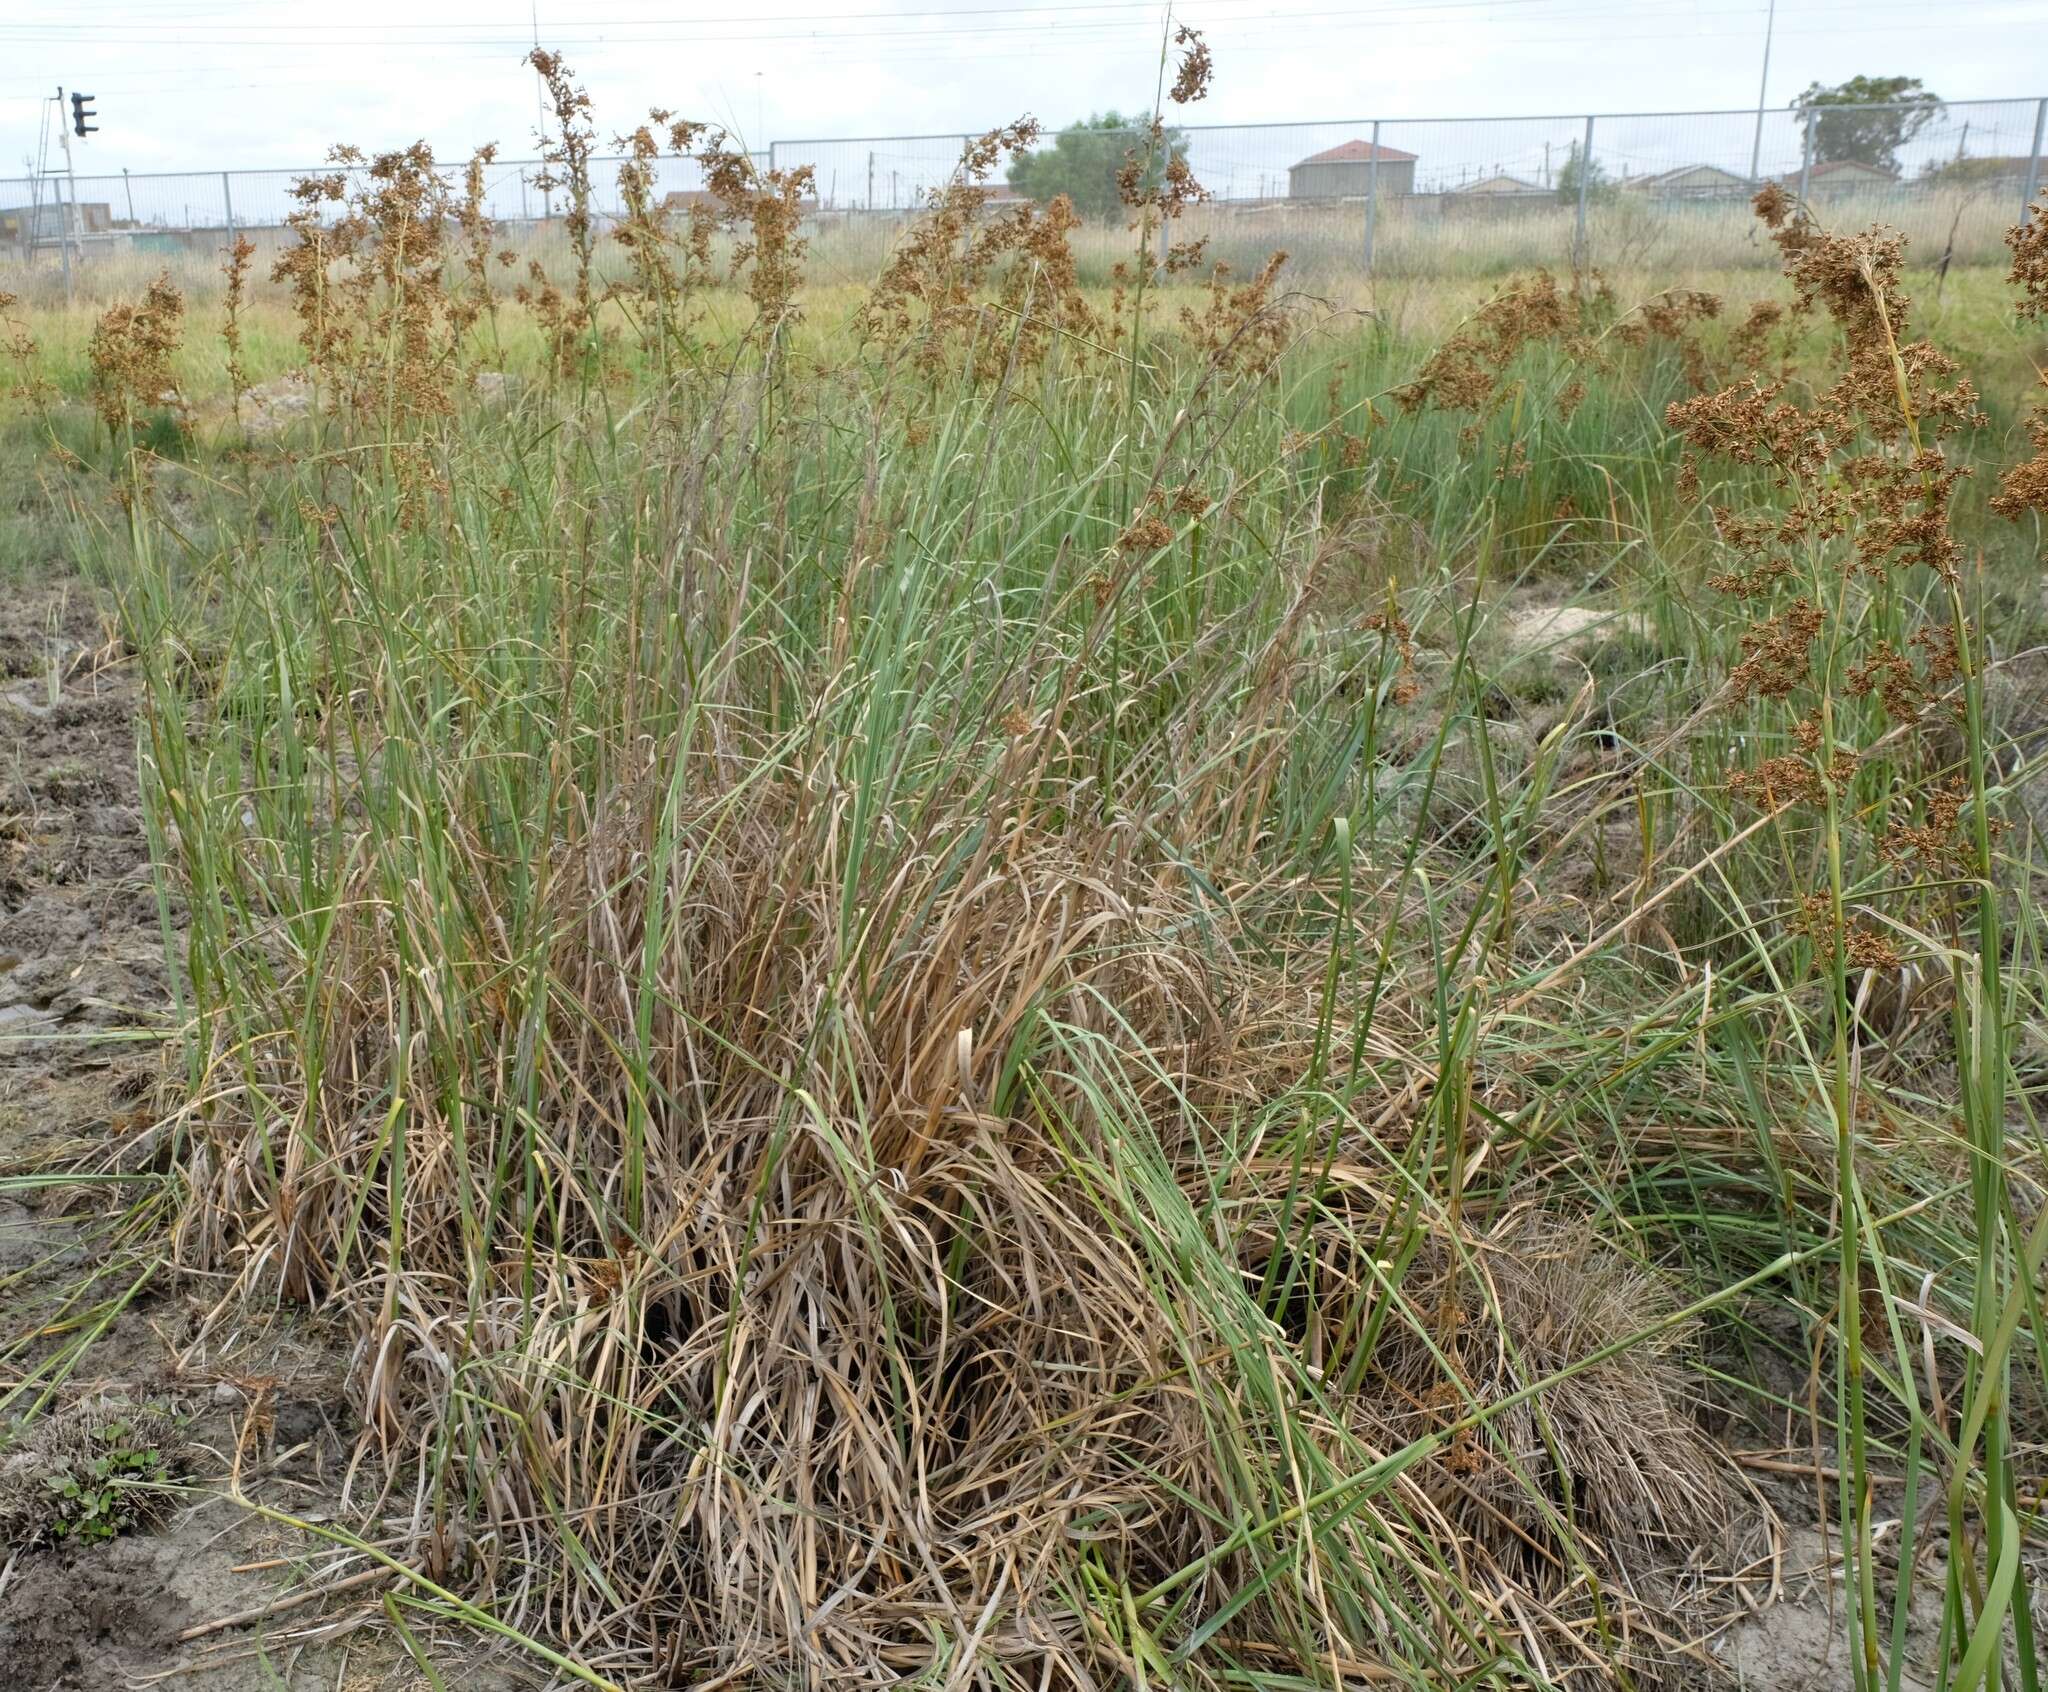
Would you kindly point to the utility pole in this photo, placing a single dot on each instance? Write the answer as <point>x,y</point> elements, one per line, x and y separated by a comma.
<point>1585,176</point>
<point>1372,193</point>
<point>70,219</point>
<point>1756,146</point>
<point>38,170</point>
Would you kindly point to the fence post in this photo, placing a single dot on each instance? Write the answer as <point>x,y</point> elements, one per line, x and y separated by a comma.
<point>1372,192</point>
<point>1806,157</point>
<point>129,187</point>
<point>227,205</point>
<point>2032,184</point>
<point>1585,177</point>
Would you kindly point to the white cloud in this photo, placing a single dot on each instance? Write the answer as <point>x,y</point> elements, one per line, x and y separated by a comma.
<point>188,84</point>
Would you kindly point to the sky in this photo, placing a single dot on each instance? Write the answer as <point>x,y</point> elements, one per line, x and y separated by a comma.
<point>247,84</point>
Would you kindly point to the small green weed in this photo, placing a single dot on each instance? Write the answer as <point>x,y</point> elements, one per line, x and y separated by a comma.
<point>86,1475</point>
<point>110,1492</point>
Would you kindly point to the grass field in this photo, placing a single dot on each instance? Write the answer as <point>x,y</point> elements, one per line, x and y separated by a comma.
<point>1018,979</point>
<point>1417,242</point>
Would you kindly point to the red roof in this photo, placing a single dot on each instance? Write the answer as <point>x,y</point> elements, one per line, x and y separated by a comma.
<point>1358,152</point>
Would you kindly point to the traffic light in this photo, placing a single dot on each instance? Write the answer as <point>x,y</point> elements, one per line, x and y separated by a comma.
<point>80,111</point>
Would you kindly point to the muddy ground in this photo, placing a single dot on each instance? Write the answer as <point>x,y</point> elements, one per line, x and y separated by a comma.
<point>86,1017</point>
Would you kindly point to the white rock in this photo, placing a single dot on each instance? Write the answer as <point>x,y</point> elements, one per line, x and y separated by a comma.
<point>1568,628</point>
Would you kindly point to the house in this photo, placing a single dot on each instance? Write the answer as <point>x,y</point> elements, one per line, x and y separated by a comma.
<point>1500,195</point>
<point>1849,176</point>
<point>16,222</point>
<point>1351,170</point>
<point>1502,186</point>
<point>47,223</point>
<point>1693,182</point>
<point>680,200</point>
<point>2004,174</point>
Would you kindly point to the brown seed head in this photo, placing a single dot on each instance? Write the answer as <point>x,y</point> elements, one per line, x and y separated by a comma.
<point>130,354</point>
<point>1196,68</point>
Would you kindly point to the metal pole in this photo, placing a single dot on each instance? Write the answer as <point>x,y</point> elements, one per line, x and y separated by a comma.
<point>67,226</point>
<point>1372,192</point>
<point>1756,147</point>
<point>1585,176</point>
<point>129,188</point>
<point>2033,182</point>
<point>540,88</point>
<point>1806,155</point>
<point>64,235</point>
<point>227,202</point>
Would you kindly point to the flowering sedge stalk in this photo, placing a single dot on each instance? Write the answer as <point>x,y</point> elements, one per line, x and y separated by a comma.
<point>236,270</point>
<point>565,164</point>
<point>1865,466</point>
<point>1980,1042</point>
<point>1852,1432</point>
<point>1132,197</point>
<point>478,299</point>
<point>1159,187</point>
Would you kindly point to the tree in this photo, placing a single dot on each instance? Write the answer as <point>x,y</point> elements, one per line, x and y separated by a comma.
<point>1598,185</point>
<point>1868,118</point>
<point>1084,158</point>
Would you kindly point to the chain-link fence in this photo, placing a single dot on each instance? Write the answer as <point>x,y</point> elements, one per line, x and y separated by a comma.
<point>186,221</point>
<point>1662,191</point>
<point>1659,192</point>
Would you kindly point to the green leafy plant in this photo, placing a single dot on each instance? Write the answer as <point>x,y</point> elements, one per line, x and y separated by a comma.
<point>107,1494</point>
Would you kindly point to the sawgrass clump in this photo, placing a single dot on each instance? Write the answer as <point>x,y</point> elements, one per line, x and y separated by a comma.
<point>962,1012</point>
